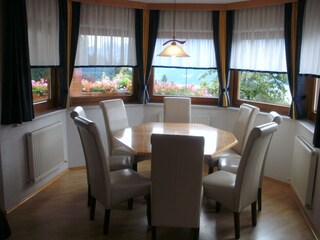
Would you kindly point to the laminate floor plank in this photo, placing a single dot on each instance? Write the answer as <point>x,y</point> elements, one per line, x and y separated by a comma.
<point>60,212</point>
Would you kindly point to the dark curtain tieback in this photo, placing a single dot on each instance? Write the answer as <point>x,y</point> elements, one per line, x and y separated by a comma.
<point>223,90</point>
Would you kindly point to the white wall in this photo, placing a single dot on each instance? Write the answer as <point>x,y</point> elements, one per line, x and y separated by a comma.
<point>14,159</point>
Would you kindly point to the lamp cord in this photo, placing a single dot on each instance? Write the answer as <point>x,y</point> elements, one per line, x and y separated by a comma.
<point>174,19</point>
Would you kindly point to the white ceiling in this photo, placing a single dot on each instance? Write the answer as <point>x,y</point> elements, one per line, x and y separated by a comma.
<point>191,1</point>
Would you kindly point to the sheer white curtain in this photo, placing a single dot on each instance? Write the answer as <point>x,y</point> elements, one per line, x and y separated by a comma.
<point>310,47</point>
<point>258,40</point>
<point>43,32</point>
<point>106,36</point>
<point>196,28</point>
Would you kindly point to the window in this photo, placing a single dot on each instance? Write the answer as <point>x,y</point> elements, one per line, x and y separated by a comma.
<point>316,95</point>
<point>264,87</point>
<point>185,82</point>
<point>309,61</point>
<point>106,57</point>
<point>310,46</point>
<point>268,91</point>
<point>193,76</point>
<point>91,81</point>
<point>258,55</point>
<point>41,79</point>
<point>43,34</point>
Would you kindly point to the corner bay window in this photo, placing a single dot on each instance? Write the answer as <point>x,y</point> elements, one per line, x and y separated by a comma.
<point>106,57</point>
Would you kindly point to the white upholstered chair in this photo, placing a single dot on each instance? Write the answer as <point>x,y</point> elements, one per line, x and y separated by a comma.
<point>115,118</point>
<point>115,163</point>
<point>176,174</point>
<point>244,123</point>
<point>231,164</point>
<point>237,191</point>
<point>177,109</point>
<point>110,188</point>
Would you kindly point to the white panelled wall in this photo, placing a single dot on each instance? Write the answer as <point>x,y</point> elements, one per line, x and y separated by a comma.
<point>13,176</point>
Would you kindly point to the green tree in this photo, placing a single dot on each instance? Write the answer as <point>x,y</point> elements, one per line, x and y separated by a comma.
<point>211,85</point>
<point>124,76</point>
<point>264,87</point>
<point>164,78</point>
<point>38,73</point>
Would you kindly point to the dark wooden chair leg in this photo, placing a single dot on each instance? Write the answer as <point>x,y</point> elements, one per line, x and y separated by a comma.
<point>210,170</point>
<point>195,233</point>
<point>236,218</point>
<point>92,207</point>
<point>154,233</point>
<point>89,196</point>
<point>259,198</point>
<point>135,167</point>
<point>218,207</point>
<point>106,221</point>
<point>254,213</point>
<point>130,203</point>
<point>148,198</point>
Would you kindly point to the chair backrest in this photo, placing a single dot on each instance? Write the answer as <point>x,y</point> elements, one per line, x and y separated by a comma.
<point>276,118</point>
<point>115,118</point>
<point>177,109</point>
<point>98,165</point>
<point>249,170</point>
<point>176,175</point>
<point>78,111</point>
<point>244,123</point>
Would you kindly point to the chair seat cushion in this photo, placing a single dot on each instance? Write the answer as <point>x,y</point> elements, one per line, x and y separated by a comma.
<point>126,184</point>
<point>123,151</point>
<point>229,164</point>
<point>220,186</point>
<point>214,160</point>
<point>119,162</point>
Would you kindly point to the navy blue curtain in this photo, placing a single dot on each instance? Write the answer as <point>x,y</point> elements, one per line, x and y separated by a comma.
<point>17,105</point>
<point>298,108</point>
<point>63,31</point>
<point>153,31</point>
<point>75,22</point>
<point>139,52</point>
<point>216,31</point>
<point>143,95</point>
<point>224,91</point>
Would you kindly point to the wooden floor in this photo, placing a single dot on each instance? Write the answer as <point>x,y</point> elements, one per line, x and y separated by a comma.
<point>60,212</point>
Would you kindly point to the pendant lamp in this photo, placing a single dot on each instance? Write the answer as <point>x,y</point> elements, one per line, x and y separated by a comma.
<point>173,50</point>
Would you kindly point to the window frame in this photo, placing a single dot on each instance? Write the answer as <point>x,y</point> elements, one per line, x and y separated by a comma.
<point>91,100</point>
<point>310,91</point>
<point>265,107</point>
<point>52,102</point>
<point>194,100</point>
